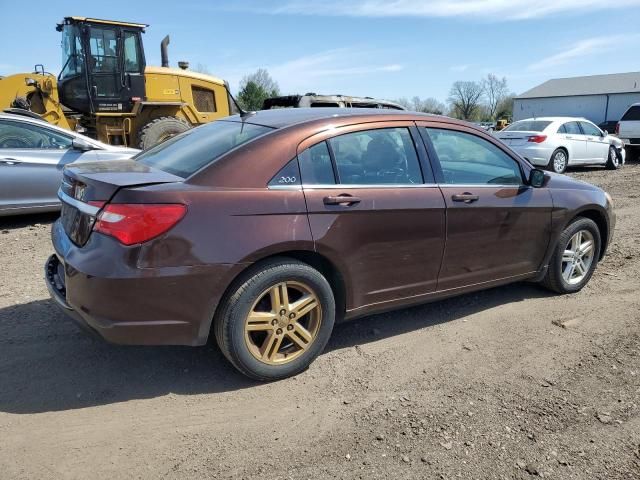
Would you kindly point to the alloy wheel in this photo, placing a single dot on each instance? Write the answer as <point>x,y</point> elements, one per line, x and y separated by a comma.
<point>578,257</point>
<point>283,322</point>
<point>559,161</point>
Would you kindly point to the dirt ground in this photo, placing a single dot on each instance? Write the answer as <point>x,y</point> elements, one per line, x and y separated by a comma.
<point>509,383</point>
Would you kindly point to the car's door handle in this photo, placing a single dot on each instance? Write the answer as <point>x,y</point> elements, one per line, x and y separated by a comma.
<point>465,197</point>
<point>9,161</point>
<point>569,137</point>
<point>342,199</point>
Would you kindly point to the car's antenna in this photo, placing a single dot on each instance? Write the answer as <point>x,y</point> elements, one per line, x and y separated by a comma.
<point>242,112</point>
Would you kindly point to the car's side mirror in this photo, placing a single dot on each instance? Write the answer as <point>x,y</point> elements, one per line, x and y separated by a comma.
<point>536,178</point>
<point>605,133</point>
<point>82,145</point>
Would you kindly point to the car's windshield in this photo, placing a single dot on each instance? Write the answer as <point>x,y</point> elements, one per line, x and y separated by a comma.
<point>185,154</point>
<point>528,126</point>
<point>633,114</point>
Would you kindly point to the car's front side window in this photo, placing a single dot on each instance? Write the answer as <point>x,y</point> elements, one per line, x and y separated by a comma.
<point>467,159</point>
<point>384,156</point>
<point>27,136</point>
<point>590,129</point>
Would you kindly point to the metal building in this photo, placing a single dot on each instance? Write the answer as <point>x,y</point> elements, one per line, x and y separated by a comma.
<point>598,98</point>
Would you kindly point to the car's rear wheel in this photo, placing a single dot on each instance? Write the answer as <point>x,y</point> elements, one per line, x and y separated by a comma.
<point>276,320</point>
<point>575,257</point>
<point>559,161</point>
<point>613,160</point>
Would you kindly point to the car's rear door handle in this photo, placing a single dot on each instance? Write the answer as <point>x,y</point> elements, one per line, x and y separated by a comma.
<point>342,199</point>
<point>465,197</point>
<point>9,161</point>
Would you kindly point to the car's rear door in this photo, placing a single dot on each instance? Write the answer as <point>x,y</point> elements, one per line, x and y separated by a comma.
<point>575,141</point>
<point>374,210</point>
<point>597,144</point>
<point>498,227</point>
<point>31,160</point>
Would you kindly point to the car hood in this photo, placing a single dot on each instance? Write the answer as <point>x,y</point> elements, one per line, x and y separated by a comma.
<point>123,150</point>
<point>564,182</point>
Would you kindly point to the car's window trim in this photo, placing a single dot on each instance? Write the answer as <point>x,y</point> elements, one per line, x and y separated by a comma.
<point>422,127</point>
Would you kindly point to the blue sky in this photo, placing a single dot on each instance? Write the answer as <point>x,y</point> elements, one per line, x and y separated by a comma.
<point>387,49</point>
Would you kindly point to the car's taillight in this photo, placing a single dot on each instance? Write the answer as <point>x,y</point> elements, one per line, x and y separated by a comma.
<point>133,223</point>
<point>618,128</point>
<point>537,138</point>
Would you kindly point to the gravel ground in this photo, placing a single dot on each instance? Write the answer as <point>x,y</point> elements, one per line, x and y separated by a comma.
<point>509,383</point>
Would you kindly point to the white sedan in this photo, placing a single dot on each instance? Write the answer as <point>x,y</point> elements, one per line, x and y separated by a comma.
<point>560,142</point>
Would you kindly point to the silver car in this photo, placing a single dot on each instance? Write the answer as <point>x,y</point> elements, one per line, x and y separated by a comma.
<point>561,142</point>
<point>32,156</point>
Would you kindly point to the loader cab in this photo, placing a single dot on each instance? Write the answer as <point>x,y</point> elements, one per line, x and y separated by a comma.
<point>102,65</point>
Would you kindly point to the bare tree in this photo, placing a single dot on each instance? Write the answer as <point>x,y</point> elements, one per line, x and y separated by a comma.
<point>464,98</point>
<point>202,68</point>
<point>428,105</point>
<point>495,91</point>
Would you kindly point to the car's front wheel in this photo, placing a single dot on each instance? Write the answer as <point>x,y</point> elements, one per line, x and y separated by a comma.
<point>575,257</point>
<point>613,160</point>
<point>559,161</point>
<point>277,319</point>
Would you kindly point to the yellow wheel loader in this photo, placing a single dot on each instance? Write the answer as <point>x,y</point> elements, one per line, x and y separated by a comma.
<point>106,90</point>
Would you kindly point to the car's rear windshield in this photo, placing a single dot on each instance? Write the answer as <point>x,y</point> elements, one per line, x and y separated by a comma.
<point>528,126</point>
<point>633,114</point>
<point>185,154</point>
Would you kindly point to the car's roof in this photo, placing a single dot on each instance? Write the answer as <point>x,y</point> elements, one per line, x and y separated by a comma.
<point>554,119</point>
<point>284,117</point>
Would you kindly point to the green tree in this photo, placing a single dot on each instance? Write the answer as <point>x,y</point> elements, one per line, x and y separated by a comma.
<point>256,88</point>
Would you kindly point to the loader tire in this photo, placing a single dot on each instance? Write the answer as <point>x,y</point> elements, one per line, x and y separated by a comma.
<point>160,129</point>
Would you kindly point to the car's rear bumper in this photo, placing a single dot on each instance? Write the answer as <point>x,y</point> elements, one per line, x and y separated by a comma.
<point>537,155</point>
<point>100,287</point>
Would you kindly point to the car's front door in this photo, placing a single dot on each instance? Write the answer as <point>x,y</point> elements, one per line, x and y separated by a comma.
<point>31,162</point>
<point>597,143</point>
<point>498,227</point>
<point>374,210</point>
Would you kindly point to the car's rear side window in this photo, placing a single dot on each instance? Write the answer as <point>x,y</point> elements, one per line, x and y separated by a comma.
<point>632,115</point>
<point>315,165</point>
<point>185,154</point>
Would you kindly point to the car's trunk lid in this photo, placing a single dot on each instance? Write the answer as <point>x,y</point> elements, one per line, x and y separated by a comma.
<point>87,187</point>
<point>516,138</point>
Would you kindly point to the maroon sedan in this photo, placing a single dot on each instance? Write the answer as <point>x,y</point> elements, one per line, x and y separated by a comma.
<point>266,228</point>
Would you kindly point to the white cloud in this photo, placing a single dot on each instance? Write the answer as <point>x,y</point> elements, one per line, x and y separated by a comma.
<point>490,9</point>
<point>584,48</point>
<point>309,72</point>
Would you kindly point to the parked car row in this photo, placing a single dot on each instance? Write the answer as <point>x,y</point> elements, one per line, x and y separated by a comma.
<point>559,142</point>
<point>261,230</point>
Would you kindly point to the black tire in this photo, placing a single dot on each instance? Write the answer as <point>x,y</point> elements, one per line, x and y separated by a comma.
<point>229,322</point>
<point>613,159</point>
<point>160,129</point>
<point>554,279</point>
<point>559,153</point>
